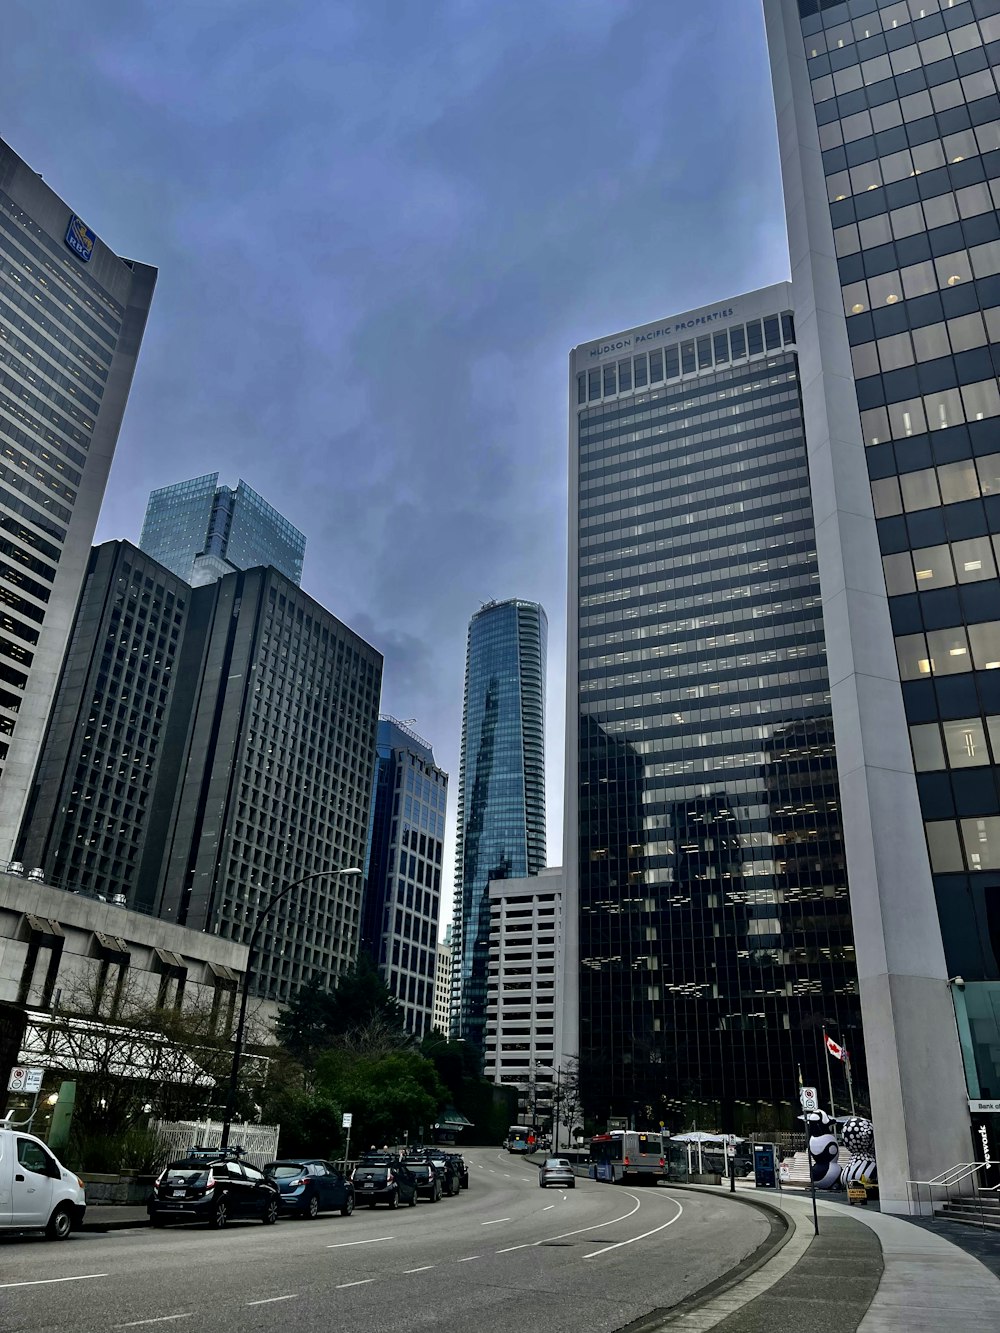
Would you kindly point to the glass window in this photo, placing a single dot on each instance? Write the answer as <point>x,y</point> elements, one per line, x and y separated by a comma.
<point>934,48</point>
<point>928,752</point>
<point>981,400</point>
<point>953,269</point>
<point>974,199</point>
<point>838,186</point>
<point>916,106</point>
<point>872,71</point>
<point>830,135</point>
<point>985,641</point>
<point>737,342</point>
<point>928,157</point>
<point>988,468</point>
<point>966,331</point>
<point>672,359</point>
<point>985,259</point>
<point>886,289</point>
<point>949,651</point>
<point>855,298</point>
<point>895,352</point>
<point>988,136</point>
<point>944,846</point>
<point>911,653</point>
<point>907,418</point>
<point>931,341</point>
<point>920,490</point>
<point>656,366</point>
<point>755,337</point>
<point>898,574</point>
<point>894,16</point>
<point>958,147</point>
<point>581,388</point>
<point>907,221</point>
<point>865,359</point>
<point>947,95</point>
<point>907,57</point>
<point>640,371</point>
<point>875,231</point>
<point>594,377</point>
<point>918,279</point>
<point>624,375</point>
<point>944,409</point>
<point>772,333</point>
<point>886,497</point>
<point>875,425</point>
<point>958,481</point>
<point>609,379</point>
<point>964,39</point>
<point>993,727</point>
<point>858,126</point>
<point>721,347</point>
<point>847,80</point>
<point>982,842</point>
<point>868,176</point>
<point>933,567</point>
<point>687,358</point>
<point>965,742</point>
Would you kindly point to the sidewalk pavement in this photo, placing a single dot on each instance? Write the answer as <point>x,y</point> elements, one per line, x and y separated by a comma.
<point>866,1271</point>
<point>114,1217</point>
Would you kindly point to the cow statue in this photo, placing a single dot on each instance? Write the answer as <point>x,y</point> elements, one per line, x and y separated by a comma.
<point>859,1135</point>
<point>824,1151</point>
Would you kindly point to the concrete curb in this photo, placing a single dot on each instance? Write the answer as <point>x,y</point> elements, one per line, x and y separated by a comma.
<point>126,1224</point>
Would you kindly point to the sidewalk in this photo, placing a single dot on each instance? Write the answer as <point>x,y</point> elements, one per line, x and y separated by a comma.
<point>114,1217</point>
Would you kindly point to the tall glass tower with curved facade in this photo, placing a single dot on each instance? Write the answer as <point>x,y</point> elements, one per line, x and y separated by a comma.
<point>501,796</point>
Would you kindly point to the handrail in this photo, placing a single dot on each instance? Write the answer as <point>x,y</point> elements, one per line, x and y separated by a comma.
<point>946,1180</point>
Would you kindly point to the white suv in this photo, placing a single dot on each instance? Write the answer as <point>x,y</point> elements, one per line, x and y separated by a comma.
<point>37,1193</point>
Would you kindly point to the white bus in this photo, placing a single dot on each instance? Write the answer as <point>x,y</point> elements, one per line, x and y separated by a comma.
<point>628,1156</point>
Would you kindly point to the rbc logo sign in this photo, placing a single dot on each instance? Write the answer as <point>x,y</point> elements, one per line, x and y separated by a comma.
<point>80,238</point>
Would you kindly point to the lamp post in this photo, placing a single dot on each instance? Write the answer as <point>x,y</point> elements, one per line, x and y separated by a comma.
<point>262,915</point>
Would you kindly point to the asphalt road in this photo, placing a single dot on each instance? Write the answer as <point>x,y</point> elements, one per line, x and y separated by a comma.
<point>503,1253</point>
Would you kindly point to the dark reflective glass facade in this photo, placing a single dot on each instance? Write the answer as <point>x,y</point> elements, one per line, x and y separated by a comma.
<point>714,926</point>
<point>906,104</point>
<point>501,797</point>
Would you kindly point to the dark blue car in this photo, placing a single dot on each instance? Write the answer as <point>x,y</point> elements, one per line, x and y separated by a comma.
<point>310,1186</point>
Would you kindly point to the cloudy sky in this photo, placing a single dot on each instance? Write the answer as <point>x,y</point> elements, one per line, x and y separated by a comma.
<point>380,225</point>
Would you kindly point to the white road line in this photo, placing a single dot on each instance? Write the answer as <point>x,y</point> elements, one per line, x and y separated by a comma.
<point>597,1225</point>
<point>426,1268</point>
<point>468,1258</point>
<point>44,1281</point>
<point>506,1175</point>
<point>345,1243</point>
<point>160,1319</point>
<point>547,1207</point>
<point>271,1299</point>
<point>363,1283</point>
<point>516,1247</point>
<point>494,1222</point>
<point>620,1243</point>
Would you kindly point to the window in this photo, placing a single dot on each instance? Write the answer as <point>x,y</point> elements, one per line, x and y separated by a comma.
<point>944,846</point>
<point>933,568</point>
<point>930,342</point>
<point>896,351</point>
<point>907,417</point>
<point>875,425</point>
<point>949,651</point>
<point>898,574</point>
<point>944,409</point>
<point>985,641</point>
<point>981,400</point>
<point>965,743</point>
<point>982,842</point>
<point>911,653</point>
<point>33,1157</point>
<point>886,497</point>
<point>974,560</point>
<point>958,481</point>
<point>928,752</point>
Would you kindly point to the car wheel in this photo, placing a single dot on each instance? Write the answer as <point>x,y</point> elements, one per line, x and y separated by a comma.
<point>413,1199</point>
<point>394,1199</point>
<point>312,1208</point>
<point>541,1184</point>
<point>571,1185</point>
<point>271,1212</point>
<point>348,1208</point>
<point>220,1215</point>
<point>60,1224</point>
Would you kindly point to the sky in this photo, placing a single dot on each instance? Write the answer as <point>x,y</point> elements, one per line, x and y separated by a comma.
<point>380,225</point>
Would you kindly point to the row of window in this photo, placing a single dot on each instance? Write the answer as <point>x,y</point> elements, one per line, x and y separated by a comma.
<point>931,411</point>
<point>930,275</point>
<point>890,64</point>
<point>949,652</point>
<point>941,566</point>
<point>830,32</point>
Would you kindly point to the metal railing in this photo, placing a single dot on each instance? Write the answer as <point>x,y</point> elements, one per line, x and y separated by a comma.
<point>954,1178</point>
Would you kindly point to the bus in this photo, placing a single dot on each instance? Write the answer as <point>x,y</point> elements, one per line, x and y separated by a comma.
<point>520,1138</point>
<point>629,1156</point>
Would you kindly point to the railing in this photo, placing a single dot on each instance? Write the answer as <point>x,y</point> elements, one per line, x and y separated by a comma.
<point>954,1178</point>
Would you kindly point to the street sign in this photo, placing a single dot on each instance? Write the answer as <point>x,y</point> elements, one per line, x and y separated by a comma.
<point>25,1080</point>
<point>809,1099</point>
<point>978,1106</point>
<point>617,1122</point>
<point>347,1121</point>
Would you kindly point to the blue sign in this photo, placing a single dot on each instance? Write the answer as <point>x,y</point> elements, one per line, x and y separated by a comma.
<point>80,238</point>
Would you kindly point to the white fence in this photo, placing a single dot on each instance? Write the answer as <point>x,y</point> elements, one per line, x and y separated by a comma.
<point>259,1142</point>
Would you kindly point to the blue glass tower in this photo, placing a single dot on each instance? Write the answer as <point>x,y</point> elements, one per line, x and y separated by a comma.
<point>200,531</point>
<point>501,797</point>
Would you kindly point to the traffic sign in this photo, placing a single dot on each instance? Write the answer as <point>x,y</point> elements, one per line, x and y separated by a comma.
<point>25,1080</point>
<point>347,1121</point>
<point>809,1099</point>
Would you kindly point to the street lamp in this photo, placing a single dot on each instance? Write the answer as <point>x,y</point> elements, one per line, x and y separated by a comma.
<point>262,915</point>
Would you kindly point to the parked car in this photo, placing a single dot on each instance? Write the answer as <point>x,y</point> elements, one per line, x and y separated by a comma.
<point>389,1181</point>
<point>463,1169</point>
<point>213,1186</point>
<point>447,1168</point>
<point>311,1187</point>
<point>37,1191</point>
<point>428,1180</point>
<point>556,1171</point>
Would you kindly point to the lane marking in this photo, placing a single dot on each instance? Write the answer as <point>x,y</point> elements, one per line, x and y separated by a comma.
<point>344,1244</point>
<point>363,1283</point>
<point>510,1248</point>
<point>468,1258</point>
<point>271,1299</point>
<point>426,1269</point>
<point>547,1207</point>
<point>597,1225</point>
<point>160,1319</point>
<point>494,1222</point>
<point>506,1175</point>
<point>45,1281</point>
<point>620,1243</point>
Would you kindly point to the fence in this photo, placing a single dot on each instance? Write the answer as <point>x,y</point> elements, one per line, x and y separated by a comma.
<point>259,1142</point>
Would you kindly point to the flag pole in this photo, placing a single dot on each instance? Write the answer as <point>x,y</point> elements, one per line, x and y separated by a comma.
<point>850,1081</point>
<point>829,1075</point>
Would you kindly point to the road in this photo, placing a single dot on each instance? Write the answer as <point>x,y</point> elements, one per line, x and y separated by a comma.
<point>504,1253</point>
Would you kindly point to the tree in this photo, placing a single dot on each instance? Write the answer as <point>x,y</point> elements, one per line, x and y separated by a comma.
<point>388,1094</point>
<point>316,1018</point>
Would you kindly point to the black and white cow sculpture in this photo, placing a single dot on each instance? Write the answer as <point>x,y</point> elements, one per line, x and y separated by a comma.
<point>824,1151</point>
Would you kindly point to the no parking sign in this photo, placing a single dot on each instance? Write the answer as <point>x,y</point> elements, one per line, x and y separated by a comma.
<point>25,1080</point>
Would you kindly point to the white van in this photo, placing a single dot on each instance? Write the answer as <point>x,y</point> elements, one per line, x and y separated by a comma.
<point>37,1193</point>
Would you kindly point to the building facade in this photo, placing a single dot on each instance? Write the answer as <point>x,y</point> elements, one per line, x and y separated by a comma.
<point>501,794</point>
<point>201,530</point>
<point>523,993</point>
<point>712,936</point>
<point>72,316</point>
<point>402,893</point>
<point>889,130</point>
<point>442,982</point>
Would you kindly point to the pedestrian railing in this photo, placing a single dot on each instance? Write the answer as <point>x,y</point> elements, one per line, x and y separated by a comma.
<point>957,1181</point>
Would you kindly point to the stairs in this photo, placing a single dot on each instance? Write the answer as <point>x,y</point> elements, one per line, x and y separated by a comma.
<point>977,1210</point>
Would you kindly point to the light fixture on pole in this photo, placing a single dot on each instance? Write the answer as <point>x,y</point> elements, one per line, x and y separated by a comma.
<point>262,915</point>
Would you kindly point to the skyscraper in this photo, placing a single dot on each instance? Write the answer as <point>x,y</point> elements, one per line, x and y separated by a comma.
<point>712,937</point>
<point>72,316</point>
<point>402,892</point>
<point>201,530</point>
<point>889,130</point>
<point>501,792</point>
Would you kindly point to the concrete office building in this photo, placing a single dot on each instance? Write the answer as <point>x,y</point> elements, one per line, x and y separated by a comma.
<point>708,925</point>
<point>523,991</point>
<point>501,790</point>
<point>72,316</point>
<point>402,892</point>
<point>442,983</point>
<point>889,130</point>
<point>207,747</point>
<point>201,530</point>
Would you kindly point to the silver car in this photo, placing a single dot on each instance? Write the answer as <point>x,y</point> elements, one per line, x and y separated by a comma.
<point>556,1171</point>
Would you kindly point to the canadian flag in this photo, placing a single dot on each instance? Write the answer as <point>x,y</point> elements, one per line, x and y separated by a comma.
<point>836,1051</point>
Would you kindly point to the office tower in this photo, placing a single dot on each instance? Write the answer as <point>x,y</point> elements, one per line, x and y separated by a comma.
<point>402,891</point>
<point>501,791</point>
<point>523,992</point>
<point>201,530</point>
<point>208,747</point>
<point>712,935</point>
<point>72,316</point>
<point>889,130</point>
<point>442,983</point>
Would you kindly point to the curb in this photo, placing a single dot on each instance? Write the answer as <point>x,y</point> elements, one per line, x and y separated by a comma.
<point>127,1224</point>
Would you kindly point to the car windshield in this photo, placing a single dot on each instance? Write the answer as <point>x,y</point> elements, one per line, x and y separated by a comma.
<point>557,1164</point>
<point>186,1173</point>
<point>283,1170</point>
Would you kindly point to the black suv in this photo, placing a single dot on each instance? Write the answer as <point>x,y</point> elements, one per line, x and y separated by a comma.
<point>212,1185</point>
<point>463,1168</point>
<point>383,1179</point>
<point>447,1169</point>
<point>428,1180</point>
<point>310,1187</point>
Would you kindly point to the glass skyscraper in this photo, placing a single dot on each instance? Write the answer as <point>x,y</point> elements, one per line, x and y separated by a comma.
<point>703,820</point>
<point>72,317</point>
<point>501,795</point>
<point>200,530</point>
<point>889,130</point>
